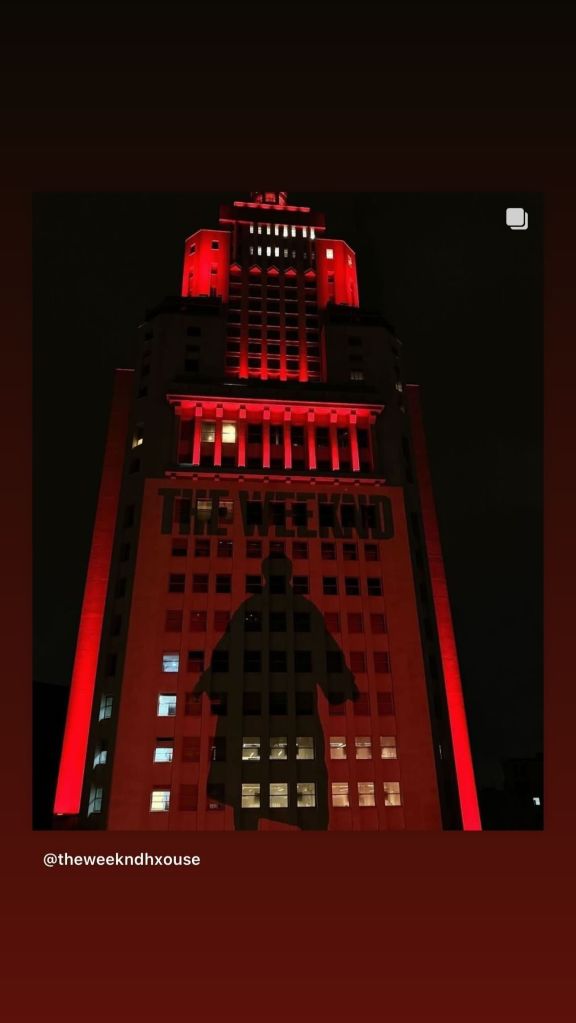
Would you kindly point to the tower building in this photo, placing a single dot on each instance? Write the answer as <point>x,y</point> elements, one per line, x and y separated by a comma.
<point>265,640</point>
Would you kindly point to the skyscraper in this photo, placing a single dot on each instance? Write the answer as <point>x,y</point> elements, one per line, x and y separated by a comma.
<point>265,640</point>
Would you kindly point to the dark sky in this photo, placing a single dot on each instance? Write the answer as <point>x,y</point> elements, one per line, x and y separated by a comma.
<point>464,294</point>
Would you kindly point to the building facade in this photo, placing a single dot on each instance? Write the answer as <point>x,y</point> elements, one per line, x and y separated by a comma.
<point>265,640</point>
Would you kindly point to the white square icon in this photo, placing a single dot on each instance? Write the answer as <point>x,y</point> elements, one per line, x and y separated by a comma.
<point>516,218</point>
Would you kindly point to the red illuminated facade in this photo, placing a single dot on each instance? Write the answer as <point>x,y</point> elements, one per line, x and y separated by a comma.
<point>266,639</point>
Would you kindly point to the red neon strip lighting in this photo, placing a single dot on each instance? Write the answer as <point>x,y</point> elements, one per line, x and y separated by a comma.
<point>72,761</point>
<point>456,711</point>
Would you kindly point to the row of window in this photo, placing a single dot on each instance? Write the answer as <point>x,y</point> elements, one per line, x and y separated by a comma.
<point>277,621</point>
<point>283,230</point>
<point>304,703</point>
<point>276,584</point>
<point>298,550</point>
<point>277,748</point>
<point>278,660</point>
<point>278,512</point>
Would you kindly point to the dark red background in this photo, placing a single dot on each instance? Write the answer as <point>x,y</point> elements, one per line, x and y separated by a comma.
<point>407,926</point>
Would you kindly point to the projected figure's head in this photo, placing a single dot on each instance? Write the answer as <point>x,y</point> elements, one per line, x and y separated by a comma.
<point>277,565</point>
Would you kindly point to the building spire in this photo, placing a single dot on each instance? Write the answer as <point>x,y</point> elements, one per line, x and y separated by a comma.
<point>271,198</point>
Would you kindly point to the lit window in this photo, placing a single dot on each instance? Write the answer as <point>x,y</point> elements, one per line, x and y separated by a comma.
<point>208,433</point>
<point>276,251</point>
<point>259,249</point>
<point>166,705</point>
<point>293,232</point>
<point>285,232</point>
<point>268,230</point>
<point>251,250</point>
<point>363,747</point>
<point>536,800</point>
<point>228,433</point>
<point>95,799</point>
<point>329,253</point>
<point>100,754</point>
<point>356,374</point>
<point>276,229</point>
<point>279,748</point>
<point>160,801</point>
<point>388,747</point>
<point>138,435</point>
<point>366,793</point>
<point>279,794</point>
<point>170,662</point>
<point>306,793</point>
<point>338,747</point>
<point>203,509</point>
<point>392,793</point>
<point>225,511</point>
<point>259,229</point>
<point>251,228</point>
<point>268,250</point>
<point>251,748</point>
<point>304,747</point>
<point>163,754</point>
<point>250,797</point>
<point>312,232</point>
<point>285,253</point>
<point>304,232</point>
<point>340,793</point>
<point>105,708</point>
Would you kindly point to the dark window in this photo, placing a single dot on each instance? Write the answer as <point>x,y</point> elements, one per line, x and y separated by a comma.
<point>371,552</point>
<point>302,660</point>
<point>116,625</point>
<point>300,584</point>
<point>355,623</point>
<point>254,549</point>
<point>176,583</point>
<point>195,660</point>
<point>336,703</point>
<point>278,513</point>
<point>350,552</point>
<point>374,587</point>
<point>197,621</point>
<point>225,548</point>
<point>382,662</point>
<point>218,704</point>
<point>124,552</point>
<point>326,515</point>
<point>192,704</point>
<point>215,245</point>
<point>304,703</point>
<point>217,749</point>
<point>377,623</point>
<point>328,551</point>
<point>362,705</point>
<point>254,513</point>
<point>333,660</point>
<point>191,365</point>
<point>216,796</point>
<point>193,331</point>
<point>253,584</point>
<point>111,664</point>
<point>221,620</point>
<point>220,661</point>
<point>363,438</point>
<point>277,621</point>
<point>278,703</point>
<point>276,433</point>
<point>121,588</point>
<point>301,621</point>
<point>277,584</point>
<point>385,703</point>
<point>252,621</point>
<point>352,585</point>
<point>135,465</point>
<point>347,515</point>
<point>300,551</point>
<point>191,749</point>
<point>202,549</point>
<point>322,435</point>
<point>297,431</point>
<point>357,661</point>
<point>330,585</point>
<point>199,584</point>
<point>277,549</point>
<point>252,660</point>
<point>129,516</point>
<point>251,704</point>
<point>254,432</point>
<point>223,584</point>
<point>173,621</point>
<point>188,798</point>
<point>179,548</point>
<point>332,622</point>
<point>355,342</point>
<point>368,512</point>
<point>277,660</point>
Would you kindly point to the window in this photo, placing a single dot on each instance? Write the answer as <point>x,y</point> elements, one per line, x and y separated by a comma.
<point>277,661</point>
<point>105,710</point>
<point>332,622</point>
<point>338,747</point>
<point>111,664</point>
<point>221,620</point>
<point>301,622</point>
<point>250,796</point>
<point>216,796</point>
<point>252,621</point>
<point>195,660</point>
<point>95,799</point>
<point>254,549</point>
<point>171,662</point>
<point>203,509</point>
<point>371,552</point>
<point>300,584</point>
<point>179,548</point>
<point>356,374</point>
<point>388,747</point>
<point>355,623</point>
<point>336,703</point>
<point>366,793</point>
<point>328,551</point>
<point>215,245</point>
<point>329,253</point>
<point>225,549</point>
<point>223,584</point>
<point>198,621</point>
<point>220,661</point>
<point>350,552</point>
<point>278,703</point>
<point>300,551</point>
<point>392,793</point>
<point>330,585</point>
<point>382,662</point>
<point>374,587</point>
<point>188,797</point>
<point>363,747</point>
<point>278,794</point>
<point>160,801</point>
<point>228,433</point>
<point>340,793</point>
<point>202,549</point>
<point>208,433</point>
<point>164,753</point>
<point>199,584</point>
<point>253,584</point>
<point>304,747</point>
<point>302,660</point>
<point>100,754</point>
<point>279,748</point>
<point>333,660</point>
<point>192,704</point>
<point>277,584</point>
<point>357,661</point>
<point>348,515</point>
<point>251,748</point>
<point>252,660</point>
<point>219,704</point>
<point>377,623</point>
<point>166,705</point>
<point>218,749</point>
<point>277,549</point>
<point>304,703</point>
<point>385,703</point>
<point>251,704</point>
<point>176,583</point>
<point>352,586</point>
<point>362,705</point>
<point>193,331</point>
<point>326,515</point>
<point>306,793</point>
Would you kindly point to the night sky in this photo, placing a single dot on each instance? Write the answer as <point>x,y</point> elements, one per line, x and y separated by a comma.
<point>464,294</point>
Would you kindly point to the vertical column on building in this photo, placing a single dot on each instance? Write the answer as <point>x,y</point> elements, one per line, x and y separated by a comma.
<point>287,439</point>
<point>266,438</point>
<point>334,441</point>
<point>353,434</point>
<point>197,435</point>
<point>218,435</point>
<point>311,428</point>
<point>242,437</point>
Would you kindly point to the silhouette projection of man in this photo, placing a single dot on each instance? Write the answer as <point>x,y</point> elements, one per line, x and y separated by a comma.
<point>262,685</point>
